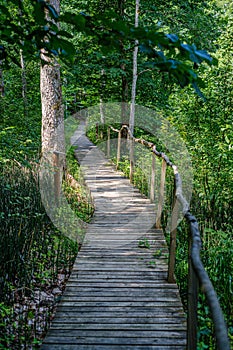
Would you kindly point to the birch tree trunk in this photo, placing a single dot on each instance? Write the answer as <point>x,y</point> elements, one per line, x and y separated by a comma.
<point>24,83</point>
<point>23,70</point>
<point>124,78</point>
<point>102,116</point>
<point>133,94</point>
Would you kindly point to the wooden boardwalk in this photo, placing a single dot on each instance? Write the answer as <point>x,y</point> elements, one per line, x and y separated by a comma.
<point>117,296</point>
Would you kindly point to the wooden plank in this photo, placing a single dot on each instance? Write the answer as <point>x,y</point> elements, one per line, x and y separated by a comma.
<point>108,305</point>
<point>119,292</point>
<point>113,347</point>
<point>112,279</point>
<point>169,340</point>
<point>68,312</point>
<point>125,335</point>
<point>120,300</point>
<point>119,322</point>
<point>116,326</point>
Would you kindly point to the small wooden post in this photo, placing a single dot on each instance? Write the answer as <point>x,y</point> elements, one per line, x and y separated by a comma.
<point>172,248</point>
<point>101,133</point>
<point>108,143</point>
<point>118,149</point>
<point>97,131</point>
<point>131,157</point>
<point>161,194</point>
<point>56,175</point>
<point>193,287</point>
<point>152,181</point>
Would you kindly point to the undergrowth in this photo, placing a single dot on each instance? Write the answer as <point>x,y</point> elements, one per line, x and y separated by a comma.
<point>77,194</point>
<point>35,258</point>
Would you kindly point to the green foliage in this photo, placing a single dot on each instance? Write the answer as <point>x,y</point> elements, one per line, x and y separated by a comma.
<point>33,254</point>
<point>25,26</point>
<point>78,197</point>
<point>144,243</point>
<point>218,257</point>
<point>20,124</point>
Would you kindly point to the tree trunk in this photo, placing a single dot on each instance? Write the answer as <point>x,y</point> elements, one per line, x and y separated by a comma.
<point>133,95</point>
<point>102,116</point>
<point>124,80</point>
<point>53,138</point>
<point>52,110</point>
<point>24,83</point>
<point>135,74</point>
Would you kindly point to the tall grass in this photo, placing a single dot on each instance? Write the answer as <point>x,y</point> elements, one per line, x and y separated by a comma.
<point>35,258</point>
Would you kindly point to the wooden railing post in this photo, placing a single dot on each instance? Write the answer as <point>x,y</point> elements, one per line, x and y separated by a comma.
<point>131,157</point>
<point>118,149</point>
<point>101,132</point>
<point>56,175</point>
<point>193,287</point>
<point>97,131</point>
<point>152,181</point>
<point>108,142</point>
<point>161,194</point>
<point>172,248</point>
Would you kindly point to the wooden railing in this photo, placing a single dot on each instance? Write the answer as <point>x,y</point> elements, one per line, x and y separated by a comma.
<point>198,279</point>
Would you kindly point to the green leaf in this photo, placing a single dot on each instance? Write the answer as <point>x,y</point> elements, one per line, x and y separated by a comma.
<point>187,47</point>
<point>146,49</point>
<point>203,55</point>
<point>52,11</point>
<point>65,34</point>
<point>77,20</point>
<point>172,37</point>
<point>65,47</point>
<point>198,91</point>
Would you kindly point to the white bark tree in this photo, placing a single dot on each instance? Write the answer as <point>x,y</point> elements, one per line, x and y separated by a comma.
<point>102,116</point>
<point>24,83</point>
<point>133,92</point>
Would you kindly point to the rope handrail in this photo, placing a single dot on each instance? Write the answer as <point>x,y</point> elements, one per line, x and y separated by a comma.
<point>196,268</point>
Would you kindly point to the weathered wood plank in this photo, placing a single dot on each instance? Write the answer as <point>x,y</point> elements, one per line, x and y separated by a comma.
<point>111,305</point>
<point>125,335</point>
<point>169,340</point>
<point>113,347</point>
<point>161,313</point>
<point>159,326</point>
<point>122,292</point>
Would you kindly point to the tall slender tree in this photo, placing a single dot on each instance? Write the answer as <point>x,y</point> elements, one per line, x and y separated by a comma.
<point>133,92</point>
<point>24,83</point>
<point>124,79</point>
<point>51,101</point>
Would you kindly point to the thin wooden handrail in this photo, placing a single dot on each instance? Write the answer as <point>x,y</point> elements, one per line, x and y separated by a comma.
<point>197,273</point>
